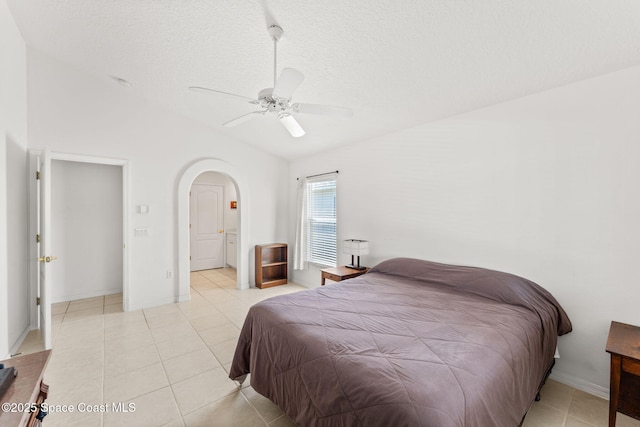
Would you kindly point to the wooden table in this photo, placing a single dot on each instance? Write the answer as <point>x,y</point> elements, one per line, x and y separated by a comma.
<point>27,388</point>
<point>624,346</point>
<point>337,274</point>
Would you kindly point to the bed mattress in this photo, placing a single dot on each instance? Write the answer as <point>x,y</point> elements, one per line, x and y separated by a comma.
<point>411,343</point>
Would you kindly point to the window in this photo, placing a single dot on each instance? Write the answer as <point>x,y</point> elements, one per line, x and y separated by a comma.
<point>321,220</point>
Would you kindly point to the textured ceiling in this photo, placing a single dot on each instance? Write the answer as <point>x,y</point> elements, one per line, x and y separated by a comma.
<point>396,63</point>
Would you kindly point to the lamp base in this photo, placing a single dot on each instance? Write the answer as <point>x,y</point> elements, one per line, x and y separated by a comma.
<point>356,267</point>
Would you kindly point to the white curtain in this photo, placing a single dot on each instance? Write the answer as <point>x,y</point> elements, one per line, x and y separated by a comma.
<point>300,245</point>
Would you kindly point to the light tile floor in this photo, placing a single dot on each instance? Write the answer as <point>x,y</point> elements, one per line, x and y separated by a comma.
<point>171,362</point>
<point>564,406</point>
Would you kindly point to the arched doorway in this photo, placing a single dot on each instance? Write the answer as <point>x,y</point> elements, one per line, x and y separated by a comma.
<point>184,185</point>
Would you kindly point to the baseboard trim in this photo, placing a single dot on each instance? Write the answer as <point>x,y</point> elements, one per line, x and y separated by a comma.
<point>184,298</point>
<point>577,383</point>
<point>86,295</point>
<point>297,281</point>
<point>19,341</point>
<point>152,303</point>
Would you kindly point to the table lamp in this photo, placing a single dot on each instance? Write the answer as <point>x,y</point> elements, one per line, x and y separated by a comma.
<point>355,248</point>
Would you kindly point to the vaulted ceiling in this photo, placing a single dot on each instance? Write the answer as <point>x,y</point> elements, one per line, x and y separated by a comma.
<point>395,63</point>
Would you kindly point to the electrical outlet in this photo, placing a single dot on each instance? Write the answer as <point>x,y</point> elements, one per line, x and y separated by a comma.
<point>169,274</point>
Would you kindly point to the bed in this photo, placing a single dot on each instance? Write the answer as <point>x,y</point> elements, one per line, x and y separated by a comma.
<point>410,343</point>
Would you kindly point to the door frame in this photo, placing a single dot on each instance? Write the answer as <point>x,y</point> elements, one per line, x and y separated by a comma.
<point>185,181</point>
<point>33,248</point>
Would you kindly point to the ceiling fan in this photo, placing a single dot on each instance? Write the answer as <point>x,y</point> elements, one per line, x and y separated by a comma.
<point>277,100</point>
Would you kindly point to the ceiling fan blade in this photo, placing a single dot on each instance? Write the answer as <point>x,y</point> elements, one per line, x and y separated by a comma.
<point>324,110</point>
<point>219,92</point>
<point>291,124</point>
<point>241,119</point>
<point>287,83</point>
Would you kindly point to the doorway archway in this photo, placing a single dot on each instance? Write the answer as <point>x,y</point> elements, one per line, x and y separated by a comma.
<point>184,185</point>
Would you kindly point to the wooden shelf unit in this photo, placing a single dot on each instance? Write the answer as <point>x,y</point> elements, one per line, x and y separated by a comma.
<point>271,265</point>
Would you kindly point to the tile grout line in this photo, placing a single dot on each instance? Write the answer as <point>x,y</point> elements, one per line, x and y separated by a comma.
<point>253,406</point>
<point>238,389</point>
<point>182,415</point>
<point>173,393</point>
<point>198,332</point>
<point>566,415</point>
<point>164,369</point>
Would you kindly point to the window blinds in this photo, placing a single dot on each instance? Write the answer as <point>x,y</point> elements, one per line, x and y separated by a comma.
<point>321,220</point>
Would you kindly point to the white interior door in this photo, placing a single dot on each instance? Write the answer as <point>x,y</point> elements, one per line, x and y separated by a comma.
<point>207,230</point>
<point>44,248</point>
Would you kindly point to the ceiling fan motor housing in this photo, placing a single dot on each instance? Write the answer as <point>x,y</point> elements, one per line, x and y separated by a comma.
<point>275,31</point>
<point>272,103</point>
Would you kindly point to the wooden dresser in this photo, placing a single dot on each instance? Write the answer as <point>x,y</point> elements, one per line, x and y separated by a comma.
<point>27,390</point>
<point>624,346</point>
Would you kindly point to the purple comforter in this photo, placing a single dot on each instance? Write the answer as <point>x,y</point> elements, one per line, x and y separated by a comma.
<point>411,343</point>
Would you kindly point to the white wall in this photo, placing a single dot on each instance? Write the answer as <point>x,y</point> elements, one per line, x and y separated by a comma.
<point>545,187</point>
<point>14,290</point>
<point>86,230</point>
<point>73,112</point>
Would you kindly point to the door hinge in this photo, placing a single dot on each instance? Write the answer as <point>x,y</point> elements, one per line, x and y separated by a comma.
<point>189,257</point>
<point>37,238</point>
<point>38,301</point>
<point>37,174</point>
<point>189,225</point>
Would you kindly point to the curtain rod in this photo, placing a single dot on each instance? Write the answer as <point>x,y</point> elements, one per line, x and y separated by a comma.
<point>320,174</point>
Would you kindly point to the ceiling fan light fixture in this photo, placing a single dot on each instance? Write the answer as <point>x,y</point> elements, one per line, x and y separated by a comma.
<point>291,125</point>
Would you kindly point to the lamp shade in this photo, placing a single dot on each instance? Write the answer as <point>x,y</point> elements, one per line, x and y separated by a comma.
<point>355,247</point>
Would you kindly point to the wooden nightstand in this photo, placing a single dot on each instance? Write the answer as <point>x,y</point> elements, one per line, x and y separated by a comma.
<point>624,346</point>
<point>337,274</point>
